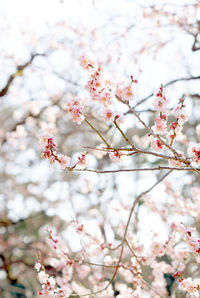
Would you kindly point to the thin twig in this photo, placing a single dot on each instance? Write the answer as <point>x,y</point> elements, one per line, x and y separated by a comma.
<point>97,132</point>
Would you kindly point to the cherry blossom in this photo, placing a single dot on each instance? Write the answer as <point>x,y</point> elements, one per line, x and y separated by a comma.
<point>108,115</point>
<point>83,159</point>
<point>191,286</point>
<point>64,160</point>
<point>124,92</point>
<point>160,102</point>
<point>160,125</point>
<point>49,146</point>
<point>194,152</point>
<point>87,62</point>
<point>116,156</point>
<point>76,108</point>
<point>157,145</point>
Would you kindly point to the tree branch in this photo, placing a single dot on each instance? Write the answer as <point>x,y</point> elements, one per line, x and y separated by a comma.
<point>18,72</point>
<point>166,85</point>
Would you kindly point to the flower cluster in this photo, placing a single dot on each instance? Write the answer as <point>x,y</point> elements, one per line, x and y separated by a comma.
<point>186,233</point>
<point>76,108</point>
<point>194,152</point>
<point>99,87</point>
<point>160,102</point>
<point>48,283</point>
<point>160,124</point>
<point>180,115</point>
<point>191,286</point>
<point>49,145</point>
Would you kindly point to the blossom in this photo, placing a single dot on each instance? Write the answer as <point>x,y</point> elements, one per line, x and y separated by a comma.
<point>157,248</point>
<point>98,87</point>
<point>191,286</point>
<point>160,102</point>
<point>197,246</point>
<point>180,114</point>
<point>116,156</point>
<point>156,144</point>
<point>45,140</point>
<point>194,152</point>
<point>108,115</point>
<point>49,145</point>
<point>104,97</point>
<point>124,92</point>
<point>42,277</point>
<point>160,126</point>
<point>75,108</point>
<point>64,160</point>
<point>87,62</point>
<point>82,159</point>
<point>51,282</point>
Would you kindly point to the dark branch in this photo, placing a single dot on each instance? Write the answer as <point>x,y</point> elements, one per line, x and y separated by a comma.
<point>19,70</point>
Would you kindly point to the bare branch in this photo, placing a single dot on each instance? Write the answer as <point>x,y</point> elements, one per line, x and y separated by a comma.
<point>18,72</point>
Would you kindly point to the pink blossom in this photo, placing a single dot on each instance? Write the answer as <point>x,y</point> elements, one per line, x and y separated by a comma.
<point>156,145</point>
<point>157,248</point>
<point>46,293</point>
<point>190,286</point>
<point>160,102</point>
<point>160,126</point>
<point>116,156</point>
<point>98,87</point>
<point>51,282</point>
<point>105,97</point>
<point>197,246</point>
<point>108,115</point>
<point>87,62</point>
<point>64,161</point>
<point>124,92</point>
<point>75,108</point>
<point>49,146</point>
<point>194,152</point>
<point>45,140</point>
<point>180,115</point>
<point>82,159</point>
<point>52,159</point>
